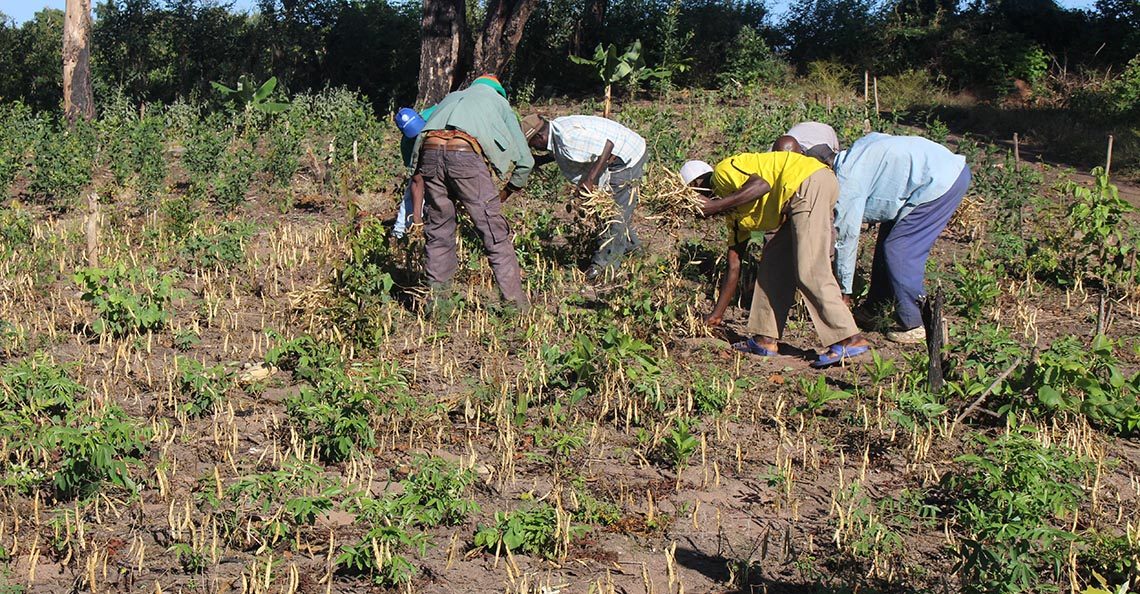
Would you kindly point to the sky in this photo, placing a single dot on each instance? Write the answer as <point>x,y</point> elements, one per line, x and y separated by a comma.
<point>22,10</point>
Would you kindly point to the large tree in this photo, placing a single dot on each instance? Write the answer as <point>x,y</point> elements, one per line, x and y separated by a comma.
<point>78,101</point>
<point>450,54</point>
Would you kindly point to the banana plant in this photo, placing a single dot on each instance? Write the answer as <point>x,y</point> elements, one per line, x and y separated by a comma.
<point>252,96</point>
<point>613,68</point>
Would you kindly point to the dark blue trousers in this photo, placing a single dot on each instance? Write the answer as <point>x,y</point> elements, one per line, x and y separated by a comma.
<point>898,271</point>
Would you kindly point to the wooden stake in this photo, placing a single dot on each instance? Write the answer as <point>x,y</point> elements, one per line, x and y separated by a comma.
<point>92,230</point>
<point>876,89</point>
<point>866,86</point>
<point>1108,159</point>
<point>1016,152</point>
<point>932,319</point>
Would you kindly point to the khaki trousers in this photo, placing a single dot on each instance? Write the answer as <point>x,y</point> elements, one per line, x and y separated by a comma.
<point>798,257</point>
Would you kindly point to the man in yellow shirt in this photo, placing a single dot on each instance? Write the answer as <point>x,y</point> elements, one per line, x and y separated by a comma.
<point>792,195</point>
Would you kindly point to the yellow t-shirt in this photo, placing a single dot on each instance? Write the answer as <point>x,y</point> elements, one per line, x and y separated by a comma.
<point>783,171</point>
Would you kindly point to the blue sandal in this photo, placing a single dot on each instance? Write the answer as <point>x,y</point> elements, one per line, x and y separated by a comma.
<point>752,347</point>
<point>837,353</point>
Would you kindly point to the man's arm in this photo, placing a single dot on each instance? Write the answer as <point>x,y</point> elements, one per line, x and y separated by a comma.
<point>728,285</point>
<point>524,160</point>
<point>848,222</point>
<point>590,179</point>
<point>753,189</point>
<point>417,185</point>
<point>540,160</point>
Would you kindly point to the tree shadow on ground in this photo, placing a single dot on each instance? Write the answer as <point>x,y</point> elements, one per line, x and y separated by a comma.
<point>746,576</point>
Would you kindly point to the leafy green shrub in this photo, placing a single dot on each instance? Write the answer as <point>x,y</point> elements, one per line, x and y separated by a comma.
<point>975,288</point>
<point>15,229</point>
<point>750,61</point>
<point>201,386</point>
<point>1069,376</point>
<point>62,166</point>
<point>94,448</point>
<point>128,301</point>
<point>272,506</point>
<point>432,496</point>
<point>334,415</point>
<point>333,412</point>
<point>537,530</point>
<point>1099,239</point>
<point>435,490</point>
<point>907,90</point>
<point>1008,500</point>
<point>221,250</point>
<point>21,130</point>
<point>234,177</point>
<point>680,444</point>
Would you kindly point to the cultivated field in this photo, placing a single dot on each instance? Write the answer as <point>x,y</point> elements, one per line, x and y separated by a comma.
<point>224,380</point>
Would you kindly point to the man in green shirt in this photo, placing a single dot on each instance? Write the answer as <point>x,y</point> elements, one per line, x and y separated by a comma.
<point>468,130</point>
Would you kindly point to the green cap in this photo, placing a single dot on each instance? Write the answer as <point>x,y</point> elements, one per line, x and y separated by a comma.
<point>491,81</point>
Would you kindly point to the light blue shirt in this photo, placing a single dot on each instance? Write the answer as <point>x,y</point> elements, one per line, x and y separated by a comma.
<point>883,178</point>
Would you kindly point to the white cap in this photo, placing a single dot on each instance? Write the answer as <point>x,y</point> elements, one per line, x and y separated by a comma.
<point>693,169</point>
<point>810,134</point>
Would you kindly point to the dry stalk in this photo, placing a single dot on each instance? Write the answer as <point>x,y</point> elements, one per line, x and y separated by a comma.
<point>666,195</point>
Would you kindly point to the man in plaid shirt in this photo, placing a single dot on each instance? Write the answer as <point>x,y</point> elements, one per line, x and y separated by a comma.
<point>592,151</point>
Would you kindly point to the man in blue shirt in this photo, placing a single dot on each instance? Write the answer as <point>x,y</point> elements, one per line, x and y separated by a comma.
<point>911,186</point>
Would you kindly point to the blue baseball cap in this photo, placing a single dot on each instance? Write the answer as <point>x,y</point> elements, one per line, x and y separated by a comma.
<point>409,122</point>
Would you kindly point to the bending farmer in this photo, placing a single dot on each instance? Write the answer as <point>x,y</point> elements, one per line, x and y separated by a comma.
<point>592,151</point>
<point>911,186</point>
<point>792,195</point>
<point>467,130</point>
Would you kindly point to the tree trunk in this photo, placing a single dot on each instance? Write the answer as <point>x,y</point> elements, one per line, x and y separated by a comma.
<point>589,29</point>
<point>78,101</point>
<point>502,31</point>
<point>442,49</point>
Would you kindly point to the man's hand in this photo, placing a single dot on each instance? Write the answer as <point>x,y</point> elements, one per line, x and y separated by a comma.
<point>847,300</point>
<point>504,194</point>
<point>713,320</point>
<point>585,188</point>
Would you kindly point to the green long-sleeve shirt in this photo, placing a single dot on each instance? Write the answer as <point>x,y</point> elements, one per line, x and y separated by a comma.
<point>481,112</point>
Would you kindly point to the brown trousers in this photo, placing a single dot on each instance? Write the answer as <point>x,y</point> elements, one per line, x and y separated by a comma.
<point>798,257</point>
<point>462,176</point>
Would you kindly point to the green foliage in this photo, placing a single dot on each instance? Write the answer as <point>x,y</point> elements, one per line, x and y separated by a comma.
<point>435,490</point>
<point>223,249</point>
<point>817,394</point>
<point>190,559</point>
<point>248,95</point>
<point>976,288</point>
<point>333,411</point>
<point>680,444</point>
<point>751,61</point>
<point>273,506</point>
<point>432,496</point>
<point>626,68</point>
<point>1069,376</point>
<point>15,229</point>
<point>62,166</point>
<point>1098,237</point>
<point>94,448</point>
<point>1009,500</point>
<point>533,530</point>
<point>127,300</point>
<point>201,387</point>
